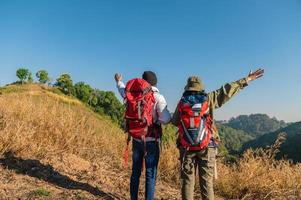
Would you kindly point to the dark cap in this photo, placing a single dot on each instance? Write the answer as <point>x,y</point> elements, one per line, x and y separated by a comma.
<point>150,77</point>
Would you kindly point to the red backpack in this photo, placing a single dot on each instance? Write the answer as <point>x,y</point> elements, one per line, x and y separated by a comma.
<point>195,122</point>
<point>140,101</point>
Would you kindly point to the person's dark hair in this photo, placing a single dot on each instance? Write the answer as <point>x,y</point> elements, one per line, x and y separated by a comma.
<point>150,77</point>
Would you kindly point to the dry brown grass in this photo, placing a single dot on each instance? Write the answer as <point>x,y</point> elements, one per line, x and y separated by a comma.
<point>257,175</point>
<point>38,124</point>
<point>55,129</point>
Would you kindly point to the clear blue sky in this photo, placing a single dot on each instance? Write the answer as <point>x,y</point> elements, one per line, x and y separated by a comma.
<point>218,40</point>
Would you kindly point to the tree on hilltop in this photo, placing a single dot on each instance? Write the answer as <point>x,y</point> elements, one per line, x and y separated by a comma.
<point>42,76</point>
<point>83,91</point>
<point>22,74</point>
<point>65,83</point>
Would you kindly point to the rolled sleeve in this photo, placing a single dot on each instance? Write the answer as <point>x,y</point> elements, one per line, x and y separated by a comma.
<point>164,116</point>
<point>121,88</point>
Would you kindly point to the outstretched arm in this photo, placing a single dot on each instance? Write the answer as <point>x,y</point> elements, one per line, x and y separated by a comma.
<point>120,85</point>
<point>219,97</point>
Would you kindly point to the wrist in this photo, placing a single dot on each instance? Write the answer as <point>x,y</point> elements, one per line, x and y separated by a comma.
<point>244,82</point>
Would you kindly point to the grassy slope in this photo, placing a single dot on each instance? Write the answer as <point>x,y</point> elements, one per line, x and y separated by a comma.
<point>54,147</point>
<point>58,142</point>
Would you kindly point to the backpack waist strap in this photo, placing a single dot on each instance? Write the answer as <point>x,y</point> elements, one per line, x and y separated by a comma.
<point>147,139</point>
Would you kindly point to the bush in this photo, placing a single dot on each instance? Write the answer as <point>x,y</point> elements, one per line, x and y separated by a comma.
<point>65,83</point>
<point>41,192</point>
<point>22,74</point>
<point>42,76</point>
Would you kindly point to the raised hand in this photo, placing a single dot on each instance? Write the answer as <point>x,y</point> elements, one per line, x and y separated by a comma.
<point>118,77</point>
<point>255,75</point>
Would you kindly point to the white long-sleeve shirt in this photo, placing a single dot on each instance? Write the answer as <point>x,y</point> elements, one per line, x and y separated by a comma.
<point>161,113</point>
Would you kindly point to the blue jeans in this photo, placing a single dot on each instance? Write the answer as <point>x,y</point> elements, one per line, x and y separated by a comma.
<point>151,164</point>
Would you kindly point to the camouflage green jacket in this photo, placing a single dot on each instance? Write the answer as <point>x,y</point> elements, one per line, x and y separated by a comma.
<point>216,99</point>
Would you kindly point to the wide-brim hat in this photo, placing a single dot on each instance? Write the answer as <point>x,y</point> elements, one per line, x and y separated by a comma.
<point>194,84</point>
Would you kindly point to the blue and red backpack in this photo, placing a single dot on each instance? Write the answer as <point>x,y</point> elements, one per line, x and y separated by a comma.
<point>195,122</point>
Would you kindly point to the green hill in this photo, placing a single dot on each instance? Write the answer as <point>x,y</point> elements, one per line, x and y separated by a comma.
<point>256,124</point>
<point>289,149</point>
<point>233,139</point>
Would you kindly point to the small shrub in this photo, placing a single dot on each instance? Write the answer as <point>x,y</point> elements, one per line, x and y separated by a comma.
<point>41,192</point>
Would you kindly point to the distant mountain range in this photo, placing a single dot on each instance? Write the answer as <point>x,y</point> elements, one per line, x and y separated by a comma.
<point>256,124</point>
<point>244,128</point>
<point>260,130</point>
<point>290,149</point>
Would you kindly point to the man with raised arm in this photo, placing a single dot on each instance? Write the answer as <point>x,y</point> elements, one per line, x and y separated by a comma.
<point>145,147</point>
<point>198,137</point>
